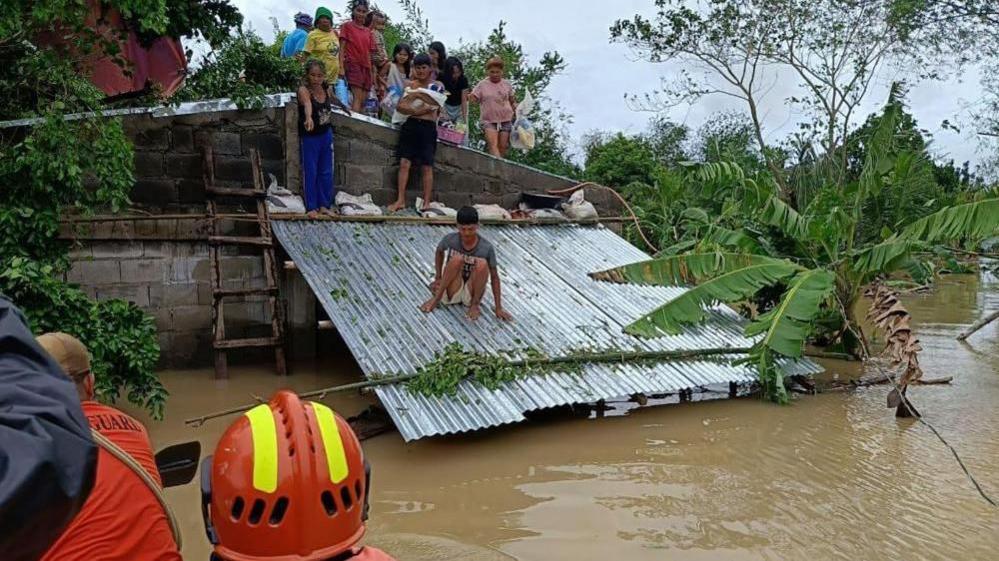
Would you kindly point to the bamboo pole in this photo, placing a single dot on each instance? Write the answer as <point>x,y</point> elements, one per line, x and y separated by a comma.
<point>606,357</point>
<point>978,325</point>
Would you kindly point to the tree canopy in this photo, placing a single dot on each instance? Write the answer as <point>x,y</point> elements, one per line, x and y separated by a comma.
<point>76,165</point>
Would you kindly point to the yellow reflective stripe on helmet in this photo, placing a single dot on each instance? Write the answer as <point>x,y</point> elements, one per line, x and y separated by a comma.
<point>263,428</point>
<point>336,456</point>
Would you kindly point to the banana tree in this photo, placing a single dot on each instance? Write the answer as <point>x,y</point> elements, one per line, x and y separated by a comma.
<point>823,274</point>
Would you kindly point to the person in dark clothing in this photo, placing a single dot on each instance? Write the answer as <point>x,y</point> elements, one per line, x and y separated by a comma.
<point>418,135</point>
<point>464,261</point>
<point>437,54</point>
<point>454,80</point>
<point>315,130</point>
<point>47,457</point>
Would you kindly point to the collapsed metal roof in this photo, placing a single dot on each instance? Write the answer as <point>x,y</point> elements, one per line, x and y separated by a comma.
<point>371,277</point>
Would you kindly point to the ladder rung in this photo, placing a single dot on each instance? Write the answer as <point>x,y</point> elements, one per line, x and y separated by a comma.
<point>235,192</point>
<point>237,240</point>
<point>247,343</point>
<point>230,292</point>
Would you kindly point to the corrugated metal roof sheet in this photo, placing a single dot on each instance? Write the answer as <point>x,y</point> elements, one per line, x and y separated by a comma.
<point>371,278</point>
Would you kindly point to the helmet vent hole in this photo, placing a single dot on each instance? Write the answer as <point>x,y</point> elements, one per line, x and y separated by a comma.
<point>237,508</point>
<point>357,490</point>
<point>345,496</point>
<point>328,503</point>
<point>256,512</point>
<point>277,513</point>
<point>291,450</point>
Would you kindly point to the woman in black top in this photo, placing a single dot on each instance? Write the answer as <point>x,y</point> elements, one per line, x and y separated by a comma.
<point>315,129</point>
<point>438,54</point>
<point>456,84</point>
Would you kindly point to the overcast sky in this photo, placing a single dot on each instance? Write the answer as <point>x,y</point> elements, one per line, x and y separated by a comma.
<point>600,73</point>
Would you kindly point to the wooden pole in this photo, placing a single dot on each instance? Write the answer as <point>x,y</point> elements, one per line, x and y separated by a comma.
<point>442,220</point>
<point>608,357</point>
<point>978,325</point>
<point>277,217</point>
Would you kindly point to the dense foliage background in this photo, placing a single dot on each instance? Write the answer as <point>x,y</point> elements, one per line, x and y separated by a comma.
<point>78,165</point>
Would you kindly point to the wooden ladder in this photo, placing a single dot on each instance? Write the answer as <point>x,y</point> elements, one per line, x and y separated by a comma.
<point>265,241</point>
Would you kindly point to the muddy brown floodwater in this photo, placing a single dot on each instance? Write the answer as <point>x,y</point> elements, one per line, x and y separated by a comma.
<point>834,476</point>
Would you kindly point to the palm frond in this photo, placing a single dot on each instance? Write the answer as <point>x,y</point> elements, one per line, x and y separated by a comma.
<point>977,220</point>
<point>781,215</point>
<point>676,270</point>
<point>885,257</point>
<point>880,146</point>
<point>732,286</point>
<point>719,171</point>
<point>786,327</point>
<point>733,239</point>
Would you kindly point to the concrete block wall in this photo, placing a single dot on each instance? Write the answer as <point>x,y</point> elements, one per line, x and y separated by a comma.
<point>160,260</point>
<point>169,174</point>
<point>171,280</point>
<point>365,162</point>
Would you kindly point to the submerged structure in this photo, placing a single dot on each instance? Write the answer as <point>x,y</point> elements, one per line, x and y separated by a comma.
<point>371,278</point>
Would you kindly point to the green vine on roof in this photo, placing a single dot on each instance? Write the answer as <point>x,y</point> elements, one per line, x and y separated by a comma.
<point>441,376</point>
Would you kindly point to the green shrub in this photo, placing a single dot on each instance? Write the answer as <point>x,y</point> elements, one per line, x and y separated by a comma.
<point>53,167</point>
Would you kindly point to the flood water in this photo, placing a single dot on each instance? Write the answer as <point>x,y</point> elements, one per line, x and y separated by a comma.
<point>833,476</point>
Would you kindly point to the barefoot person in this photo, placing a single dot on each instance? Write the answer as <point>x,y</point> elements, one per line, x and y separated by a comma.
<point>418,134</point>
<point>464,262</point>
<point>499,108</point>
<point>315,131</point>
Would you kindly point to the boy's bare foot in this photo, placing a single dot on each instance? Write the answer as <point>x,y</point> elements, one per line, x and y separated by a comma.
<point>333,211</point>
<point>474,312</point>
<point>396,206</point>
<point>428,306</point>
<point>313,214</point>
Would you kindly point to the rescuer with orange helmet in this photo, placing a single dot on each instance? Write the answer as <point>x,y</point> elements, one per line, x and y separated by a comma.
<point>288,482</point>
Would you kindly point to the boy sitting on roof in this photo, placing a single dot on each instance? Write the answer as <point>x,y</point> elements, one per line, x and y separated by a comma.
<point>464,261</point>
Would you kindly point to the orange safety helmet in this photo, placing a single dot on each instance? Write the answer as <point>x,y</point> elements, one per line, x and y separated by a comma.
<point>288,482</point>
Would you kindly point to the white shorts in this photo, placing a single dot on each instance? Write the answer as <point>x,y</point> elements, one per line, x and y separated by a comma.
<point>463,296</point>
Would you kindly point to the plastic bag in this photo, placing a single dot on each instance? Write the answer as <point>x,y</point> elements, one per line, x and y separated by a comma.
<point>435,210</point>
<point>356,205</point>
<point>523,137</point>
<point>492,212</point>
<point>578,208</point>
<point>342,93</point>
<point>281,200</point>
<point>545,214</point>
<point>391,99</point>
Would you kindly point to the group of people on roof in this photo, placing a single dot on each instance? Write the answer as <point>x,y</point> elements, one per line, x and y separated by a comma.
<point>349,68</point>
